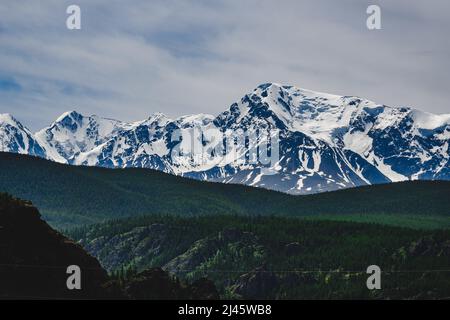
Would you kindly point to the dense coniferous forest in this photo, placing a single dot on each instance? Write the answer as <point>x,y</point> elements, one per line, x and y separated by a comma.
<point>34,261</point>
<point>68,196</point>
<point>252,243</point>
<point>250,257</point>
<point>277,257</point>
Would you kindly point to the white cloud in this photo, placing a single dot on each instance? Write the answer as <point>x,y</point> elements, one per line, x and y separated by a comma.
<point>182,57</point>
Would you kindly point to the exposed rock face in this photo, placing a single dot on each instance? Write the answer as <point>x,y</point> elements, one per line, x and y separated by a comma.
<point>139,242</point>
<point>326,142</point>
<point>204,289</point>
<point>258,284</point>
<point>204,251</point>
<point>293,248</point>
<point>158,284</point>
<point>429,246</point>
<point>34,257</point>
<point>34,260</point>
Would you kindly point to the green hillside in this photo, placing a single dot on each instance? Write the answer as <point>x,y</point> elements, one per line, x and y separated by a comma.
<point>277,257</point>
<point>70,195</point>
<point>236,257</point>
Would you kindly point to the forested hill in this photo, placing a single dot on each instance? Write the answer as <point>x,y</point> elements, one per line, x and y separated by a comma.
<point>34,260</point>
<point>71,195</point>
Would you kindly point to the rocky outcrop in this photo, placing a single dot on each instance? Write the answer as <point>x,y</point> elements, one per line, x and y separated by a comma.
<point>430,246</point>
<point>257,284</point>
<point>293,249</point>
<point>34,258</point>
<point>133,245</point>
<point>156,284</point>
<point>242,245</point>
<point>422,247</point>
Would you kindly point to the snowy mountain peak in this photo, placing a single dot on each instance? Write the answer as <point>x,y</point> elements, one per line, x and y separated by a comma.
<point>156,118</point>
<point>425,120</point>
<point>320,115</point>
<point>195,120</point>
<point>72,134</point>
<point>8,119</point>
<point>14,137</point>
<point>326,142</point>
<point>74,115</point>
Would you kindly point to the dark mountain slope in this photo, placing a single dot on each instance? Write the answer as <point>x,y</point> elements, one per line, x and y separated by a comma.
<point>278,257</point>
<point>34,260</point>
<point>34,257</point>
<point>70,195</point>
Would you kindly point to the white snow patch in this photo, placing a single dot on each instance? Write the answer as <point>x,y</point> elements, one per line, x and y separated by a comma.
<point>425,120</point>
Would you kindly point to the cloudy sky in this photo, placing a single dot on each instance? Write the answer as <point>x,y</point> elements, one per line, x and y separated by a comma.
<point>133,58</point>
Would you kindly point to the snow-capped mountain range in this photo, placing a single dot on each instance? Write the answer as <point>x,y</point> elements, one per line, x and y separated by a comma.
<point>325,142</point>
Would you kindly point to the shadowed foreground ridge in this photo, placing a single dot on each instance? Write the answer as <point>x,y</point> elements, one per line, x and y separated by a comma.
<point>243,257</point>
<point>34,259</point>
